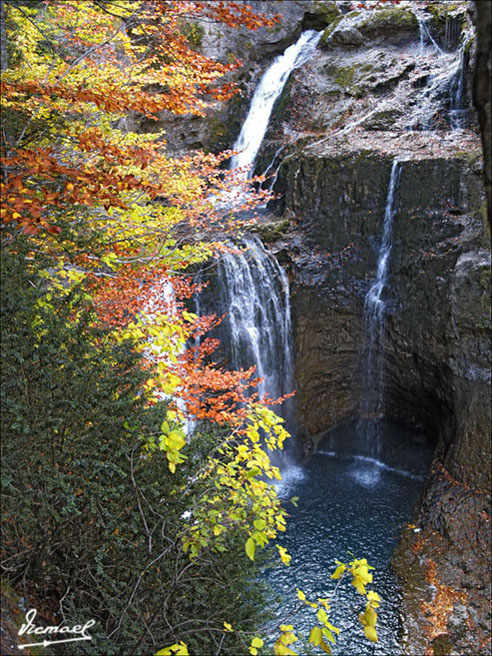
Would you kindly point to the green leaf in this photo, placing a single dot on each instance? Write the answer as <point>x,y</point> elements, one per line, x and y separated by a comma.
<point>250,548</point>
<point>259,524</point>
<point>252,472</point>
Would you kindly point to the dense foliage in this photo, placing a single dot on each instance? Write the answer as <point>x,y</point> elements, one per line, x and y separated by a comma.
<point>93,523</point>
<point>110,512</point>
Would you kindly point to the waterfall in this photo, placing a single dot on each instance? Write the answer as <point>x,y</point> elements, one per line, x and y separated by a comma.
<point>457,110</point>
<point>372,402</point>
<point>255,290</point>
<point>268,90</point>
<point>254,287</point>
<point>444,93</point>
<point>425,35</point>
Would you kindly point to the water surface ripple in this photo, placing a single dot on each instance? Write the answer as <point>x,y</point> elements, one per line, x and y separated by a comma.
<point>346,503</point>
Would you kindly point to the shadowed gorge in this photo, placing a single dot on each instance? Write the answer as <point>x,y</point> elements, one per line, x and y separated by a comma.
<point>381,225</point>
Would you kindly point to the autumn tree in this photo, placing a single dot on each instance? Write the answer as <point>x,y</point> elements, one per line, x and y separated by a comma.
<point>99,227</point>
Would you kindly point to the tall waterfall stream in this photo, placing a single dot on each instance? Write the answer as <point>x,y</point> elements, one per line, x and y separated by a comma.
<point>356,492</point>
<point>372,398</point>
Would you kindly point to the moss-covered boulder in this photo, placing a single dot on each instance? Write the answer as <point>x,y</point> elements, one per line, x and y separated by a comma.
<point>319,14</point>
<point>388,21</point>
<point>271,231</point>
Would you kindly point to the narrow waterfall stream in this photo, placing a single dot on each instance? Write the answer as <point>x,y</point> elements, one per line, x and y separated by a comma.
<point>268,90</point>
<point>372,397</point>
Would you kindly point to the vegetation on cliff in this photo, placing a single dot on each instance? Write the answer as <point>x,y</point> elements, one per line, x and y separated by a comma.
<point>110,512</point>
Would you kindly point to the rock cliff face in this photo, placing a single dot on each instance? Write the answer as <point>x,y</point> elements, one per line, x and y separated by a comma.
<point>365,94</point>
<point>437,341</point>
<point>481,88</point>
<point>385,84</point>
<point>255,49</point>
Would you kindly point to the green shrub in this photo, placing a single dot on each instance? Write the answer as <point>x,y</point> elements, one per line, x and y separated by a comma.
<point>91,522</point>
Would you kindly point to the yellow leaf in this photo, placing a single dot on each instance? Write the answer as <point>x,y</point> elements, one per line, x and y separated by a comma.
<point>284,556</point>
<point>358,585</point>
<point>363,573</point>
<point>227,626</point>
<point>279,649</point>
<point>174,650</point>
<point>332,628</point>
<point>368,617</point>
<point>370,633</point>
<point>328,634</point>
<point>301,595</point>
<point>250,548</point>
<point>257,642</point>
<point>338,572</point>
<point>315,636</point>
<point>288,638</point>
<point>373,598</point>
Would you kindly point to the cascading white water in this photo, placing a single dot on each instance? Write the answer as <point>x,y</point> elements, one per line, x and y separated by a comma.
<point>372,400</point>
<point>254,287</point>
<point>425,37</point>
<point>457,110</point>
<point>444,93</point>
<point>268,90</point>
<point>255,290</point>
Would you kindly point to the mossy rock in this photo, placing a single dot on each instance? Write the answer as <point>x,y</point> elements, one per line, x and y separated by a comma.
<point>273,230</point>
<point>390,20</point>
<point>330,29</point>
<point>351,79</point>
<point>328,10</point>
<point>443,9</point>
<point>447,25</point>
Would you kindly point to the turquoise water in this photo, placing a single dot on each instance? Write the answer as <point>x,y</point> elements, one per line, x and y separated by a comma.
<point>347,503</point>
